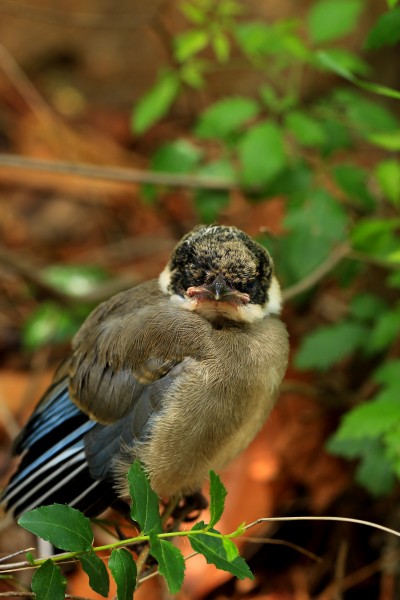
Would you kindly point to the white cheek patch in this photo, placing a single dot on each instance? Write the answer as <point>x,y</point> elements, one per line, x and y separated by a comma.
<point>274,304</point>
<point>164,280</point>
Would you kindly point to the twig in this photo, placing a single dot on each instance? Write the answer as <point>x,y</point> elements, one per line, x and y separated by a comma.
<point>32,595</point>
<point>336,256</point>
<point>120,174</point>
<point>4,558</point>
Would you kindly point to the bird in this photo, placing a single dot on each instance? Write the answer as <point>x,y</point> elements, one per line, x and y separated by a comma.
<point>179,372</point>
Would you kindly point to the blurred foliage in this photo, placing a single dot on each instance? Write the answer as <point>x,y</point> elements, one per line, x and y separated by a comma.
<point>333,162</point>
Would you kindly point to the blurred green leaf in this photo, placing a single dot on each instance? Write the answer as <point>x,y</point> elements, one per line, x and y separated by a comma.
<point>369,420</point>
<point>385,331</point>
<point>277,103</point>
<point>365,306</point>
<point>210,203</point>
<point>189,43</point>
<point>375,471</point>
<point>63,526</point>
<point>307,130</point>
<point>226,117</point>
<point>328,345</point>
<point>255,38</point>
<point>315,225</point>
<point>392,3</point>
<point>221,46</point>
<point>388,176</point>
<point>156,102</point>
<point>386,31</point>
<point>389,140</point>
<point>376,237</point>
<point>349,61</point>
<point>367,116</point>
<point>333,19</point>
<point>179,156</point>
<point>353,181</point>
<point>388,372</point>
<point>262,154</point>
<point>74,279</point>
<point>193,13</point>
<point>51,323</point>
<point>48,583</point>
<point>171,563</point>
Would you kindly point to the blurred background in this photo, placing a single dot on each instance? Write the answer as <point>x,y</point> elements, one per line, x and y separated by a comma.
<point>124,125</point>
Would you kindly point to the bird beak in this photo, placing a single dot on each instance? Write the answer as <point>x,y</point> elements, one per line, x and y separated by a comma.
<point>218,290</point>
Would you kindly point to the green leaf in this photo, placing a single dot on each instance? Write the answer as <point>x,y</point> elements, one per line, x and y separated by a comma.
<point>124,571</point>
<point>375,471</point>
<point>388,176</point>
<point>353,181</point>
<point>48,583</point>
<point>307,130</point>
<point>333,19</point>
<point>385,331</point>
<point>261,154</point>
<point>96,570</point>
<point>213,549</point>
<point>193,13</point>
<point>63,526</point>
<point>210,203</point>
<point>316,224</point>
<point>255,38</point>
<point>76,280</point>
<point>388,372</point>
<point>145,504</point>
<point>51,323</point>
<point>226,117</point>
<point>328,345</point>
<point>156,102</point>
<point>367,116</point>
<point>189,43</point>
<point>217,498</point>
<point>180,156</point>
<point>389,140</point>
<point>386,32</point>
<point>367,306</point>
<point>370,419</point>
<point>231,550</point>
<point>221,46</point>
<point>376,237</point>
<point>392,3</point>
<point>171,563</point>
<point>349,61</point>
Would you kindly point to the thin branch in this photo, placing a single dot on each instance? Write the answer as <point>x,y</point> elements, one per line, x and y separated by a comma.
<point>119,174</point>
<point>5,558</point>
<point>324,518</point>
<point>336,256</point>
<point>27,594</point>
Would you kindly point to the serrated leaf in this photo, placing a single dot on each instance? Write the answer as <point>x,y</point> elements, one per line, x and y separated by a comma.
<point>326,346</point>
<point>386,32</point>
<point>189,43</point>
<point>63,526</point>
<point>231,550</point>
<point>333,19</point>
<point>226,117</point>
<point>156,102</point>
<point>388,176</point>
<point>48,583</point>
<point>213,550</point>
<point>217,498</point>
<point>171,563</point>
<point>124,571</point>
<point>261,154</point>
<point>97,572</point>
<point>145,503</point>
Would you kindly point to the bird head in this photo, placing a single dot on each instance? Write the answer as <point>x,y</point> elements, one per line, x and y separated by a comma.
<point>222,273</point>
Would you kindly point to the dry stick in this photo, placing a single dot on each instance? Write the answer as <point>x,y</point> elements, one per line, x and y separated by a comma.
<point>121,174</point>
